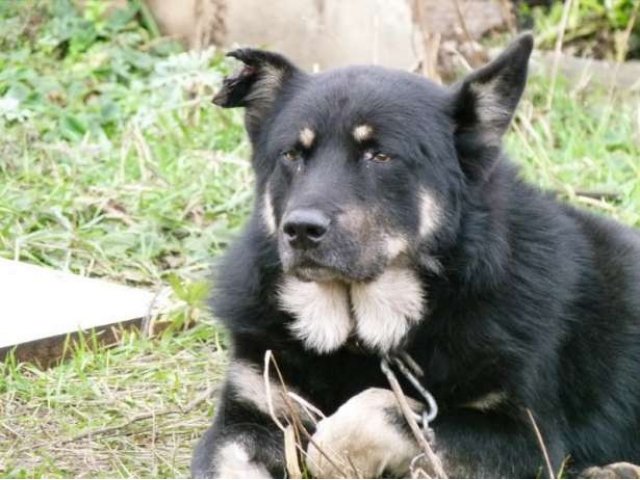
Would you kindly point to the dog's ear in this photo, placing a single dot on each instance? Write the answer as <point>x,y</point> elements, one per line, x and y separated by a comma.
<point>485,101</point>
<point>256,85</point>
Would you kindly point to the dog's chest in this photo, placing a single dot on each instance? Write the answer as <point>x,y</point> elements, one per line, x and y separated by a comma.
<point>379,314</point>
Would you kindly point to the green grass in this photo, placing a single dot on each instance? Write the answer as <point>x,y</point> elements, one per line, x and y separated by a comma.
<point>589,141</point>
<point>43,412</point>
<point>114,164</point>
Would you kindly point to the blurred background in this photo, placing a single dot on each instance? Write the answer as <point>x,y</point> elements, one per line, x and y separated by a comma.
<point>115,165</point>
<point>320,34</point>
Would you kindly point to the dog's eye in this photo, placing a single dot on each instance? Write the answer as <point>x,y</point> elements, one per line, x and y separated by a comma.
<point>376,156</point>
<point>291,155</point>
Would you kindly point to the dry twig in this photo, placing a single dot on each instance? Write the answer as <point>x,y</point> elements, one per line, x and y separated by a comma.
<point>408,414</point>
<point>430,43</point>
<point>622,54</point>
<point>476,59</point>
<point>543,448</point>
<point>558,50</point>
<point>144,416</point>
<point>290,455</point>
<point>296,426</point>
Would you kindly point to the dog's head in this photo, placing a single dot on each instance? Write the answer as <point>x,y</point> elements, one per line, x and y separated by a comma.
<point>363,168</point>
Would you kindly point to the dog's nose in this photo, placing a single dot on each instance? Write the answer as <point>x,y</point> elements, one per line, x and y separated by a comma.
<point>305,228</point>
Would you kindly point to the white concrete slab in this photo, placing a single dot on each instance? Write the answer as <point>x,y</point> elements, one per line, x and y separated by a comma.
<point>38,303</point>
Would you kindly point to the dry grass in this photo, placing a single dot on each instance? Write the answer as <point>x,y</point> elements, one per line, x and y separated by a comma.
<point>131,411</point>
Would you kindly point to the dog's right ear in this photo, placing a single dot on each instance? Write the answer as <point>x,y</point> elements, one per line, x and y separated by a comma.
<point>256,85</point>
<point>485,102</point>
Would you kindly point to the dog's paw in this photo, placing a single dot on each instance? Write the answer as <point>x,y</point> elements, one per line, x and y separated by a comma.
<point>362,439</point>
<point>613,470</point>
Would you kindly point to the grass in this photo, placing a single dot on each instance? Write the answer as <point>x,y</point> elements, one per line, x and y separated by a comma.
<point>114,164</point>
<point>44,412</point>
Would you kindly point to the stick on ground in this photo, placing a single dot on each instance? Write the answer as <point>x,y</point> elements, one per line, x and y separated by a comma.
<point>408,414</point>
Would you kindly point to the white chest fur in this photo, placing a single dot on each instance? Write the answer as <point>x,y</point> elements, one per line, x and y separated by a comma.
<point>380,313</point>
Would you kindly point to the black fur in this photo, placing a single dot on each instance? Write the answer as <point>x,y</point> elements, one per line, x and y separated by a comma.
<point>534,298</point>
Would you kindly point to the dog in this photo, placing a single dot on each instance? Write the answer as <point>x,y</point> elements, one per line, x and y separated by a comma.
<point>388,220</point>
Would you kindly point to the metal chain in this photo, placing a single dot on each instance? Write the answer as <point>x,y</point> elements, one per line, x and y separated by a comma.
<point>410,370</point>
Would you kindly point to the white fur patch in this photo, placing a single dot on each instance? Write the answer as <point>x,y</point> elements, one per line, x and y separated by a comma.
<point>321,312</point>
<point>360,436</point>
<point>488,402</point>
<point>353,218</point>
<point>248,386</point>
<point>395,246</point>
<point>306,137</point>
<point>494,114</point>
<point>490,104</point>
<point>262,94</point>
<point>264,89</point>
<point>430,213</point>
<point>362,132</point>
<point>233,461</point>
<point>386,308</point>
<point>268,216</point>
<point>248,383</point>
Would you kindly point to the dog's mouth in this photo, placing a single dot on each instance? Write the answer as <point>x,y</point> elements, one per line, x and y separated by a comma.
<point>313,271</point>
<point>317,274</point>
<point>345,264</point>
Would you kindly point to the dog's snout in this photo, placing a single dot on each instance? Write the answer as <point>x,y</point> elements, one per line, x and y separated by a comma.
<point>305,228</point>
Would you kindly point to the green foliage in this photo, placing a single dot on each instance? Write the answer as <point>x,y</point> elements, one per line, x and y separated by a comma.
<point>588,142</point>
<point>114,162</point>
<point>595,28</point>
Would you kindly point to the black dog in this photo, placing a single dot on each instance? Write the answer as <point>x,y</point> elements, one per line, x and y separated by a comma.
<point>387,218</point>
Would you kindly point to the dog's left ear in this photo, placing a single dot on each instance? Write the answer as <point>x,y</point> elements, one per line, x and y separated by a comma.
<point>256,85</point>
<point>484,101</point>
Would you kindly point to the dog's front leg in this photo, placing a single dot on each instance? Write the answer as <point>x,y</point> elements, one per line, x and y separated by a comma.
<point>243,441</point>
<point>368,437</point>
<point>365,438</point>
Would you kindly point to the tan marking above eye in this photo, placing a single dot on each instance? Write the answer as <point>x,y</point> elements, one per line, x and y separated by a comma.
<point>363,132</point>
<point>306,137</point>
